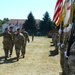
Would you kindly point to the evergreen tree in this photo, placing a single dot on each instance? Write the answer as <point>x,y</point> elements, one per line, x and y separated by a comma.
<point>30,23</point>
<point>3,21</point>
<point>46,23</point>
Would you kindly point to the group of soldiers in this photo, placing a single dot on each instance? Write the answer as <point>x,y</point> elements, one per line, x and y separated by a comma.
<point>18,39</point>
<point>67,51</point>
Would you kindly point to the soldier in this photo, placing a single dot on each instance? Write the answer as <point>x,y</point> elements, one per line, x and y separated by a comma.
<point>23,50</point>
<point>11,31</point>
<point>71,59</point>
<point>56,42</point>
<point>19,41</point>
<point>7,39</point>
<point>63,57</point>
<point>53,38</point>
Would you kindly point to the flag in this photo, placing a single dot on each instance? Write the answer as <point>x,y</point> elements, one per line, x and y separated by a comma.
<point>57,10</point>
<point>9,24</point>
<point>16,23</point>
<point>68,4</point>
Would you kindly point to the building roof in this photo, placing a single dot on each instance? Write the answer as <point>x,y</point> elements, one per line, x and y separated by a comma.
<point>19,21</point>
<point>16,21</point>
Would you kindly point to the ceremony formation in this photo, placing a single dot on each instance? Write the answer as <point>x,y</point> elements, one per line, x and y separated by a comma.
<point>33,43</point>
<point>18,38</point>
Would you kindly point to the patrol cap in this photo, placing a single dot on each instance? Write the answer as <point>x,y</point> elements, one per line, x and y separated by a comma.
<point>11,27</point>
<point>18,29</point>
<point>6,28</point>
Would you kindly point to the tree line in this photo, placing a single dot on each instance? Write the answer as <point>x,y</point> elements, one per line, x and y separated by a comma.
<point>3,21</point>
<point>45,25</point>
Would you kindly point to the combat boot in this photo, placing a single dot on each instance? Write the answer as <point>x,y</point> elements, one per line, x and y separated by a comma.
<point>17,59</point>
<point>5,58</point>
<point>23,56</point>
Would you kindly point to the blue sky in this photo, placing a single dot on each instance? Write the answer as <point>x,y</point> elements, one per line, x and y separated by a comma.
<point>19,9</point>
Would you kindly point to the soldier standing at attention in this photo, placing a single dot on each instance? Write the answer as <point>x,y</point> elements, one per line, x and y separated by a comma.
<point>18,41</point>
<point>7,39</point>
<point>23,50</point>
<point>11,31</point>
<point>56,42</point>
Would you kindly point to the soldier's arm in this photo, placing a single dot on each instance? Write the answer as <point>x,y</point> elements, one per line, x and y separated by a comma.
<point>23,39</point>
<point>2,34</point>
<point>11,37</point>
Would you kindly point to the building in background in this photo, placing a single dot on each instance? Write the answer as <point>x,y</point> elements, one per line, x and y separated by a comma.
<point>16,23</point>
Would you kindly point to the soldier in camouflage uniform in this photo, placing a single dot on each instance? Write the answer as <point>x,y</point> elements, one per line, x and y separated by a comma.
<point>71,59</point>
<point>7,39</point>
<point>23,50</point>
<point>19,41</point>
<point>53,38</point>
<point>56,38</point>
<point>11,31</point>
<point>63,59</point>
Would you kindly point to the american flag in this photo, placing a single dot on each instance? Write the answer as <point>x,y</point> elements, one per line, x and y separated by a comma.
<point>57,10</point>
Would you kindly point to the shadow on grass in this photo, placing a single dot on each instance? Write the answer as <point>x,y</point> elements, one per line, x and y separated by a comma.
<point>9,60</point>
<point>53,53</point>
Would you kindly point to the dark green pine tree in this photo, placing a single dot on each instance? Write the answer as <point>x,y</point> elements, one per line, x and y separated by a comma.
<point>30,24</point>
<point>3,21</point>
<point>46,23</point>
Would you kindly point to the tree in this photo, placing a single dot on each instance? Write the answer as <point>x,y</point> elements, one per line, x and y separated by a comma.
<point>46,23</point>
<point>30,24</point>
<point>0,23</point>
<point>3,21</point>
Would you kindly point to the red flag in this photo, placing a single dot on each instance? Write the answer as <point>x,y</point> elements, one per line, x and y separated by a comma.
<point>68,8</point>
<point>57,10</point>
<point>16,23</point>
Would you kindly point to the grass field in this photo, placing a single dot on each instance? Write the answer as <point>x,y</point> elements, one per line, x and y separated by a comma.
<point>38,60</point>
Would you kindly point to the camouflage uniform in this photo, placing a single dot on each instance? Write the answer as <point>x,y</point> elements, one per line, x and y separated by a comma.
<point>23,50</point>
<point>63,59</point>
<point>71,59</point>
<point>19,41</point>
<point>56,38</point>
<point>53,38</point>
<point>7,39</point>
<point>11,50</point>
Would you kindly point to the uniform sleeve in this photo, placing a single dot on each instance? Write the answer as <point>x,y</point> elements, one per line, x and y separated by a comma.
<point>11,37</point>
<point>22,39</point>
<point>2,34</point>
<point>14,36</point>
